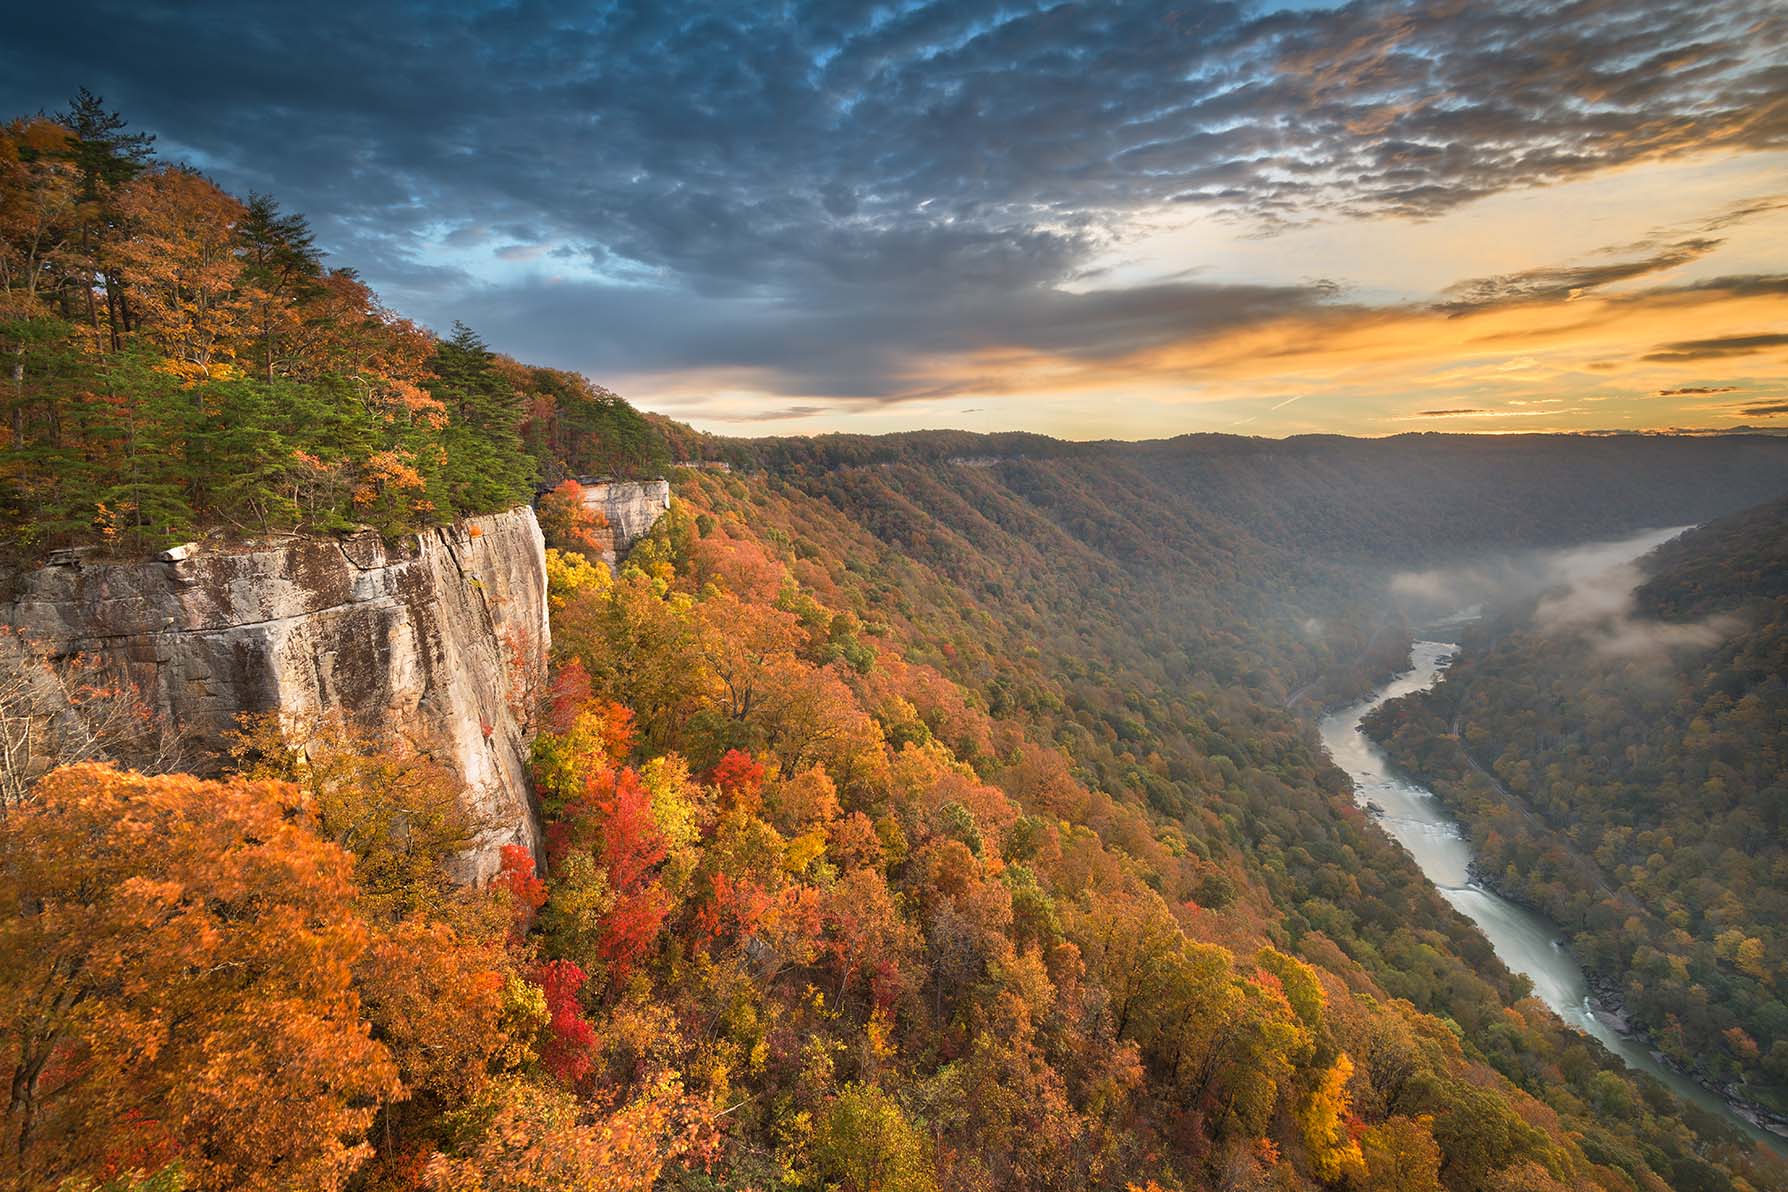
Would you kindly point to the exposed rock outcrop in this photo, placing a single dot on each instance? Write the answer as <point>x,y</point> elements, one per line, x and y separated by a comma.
<point>441,637</point>
<point>630,508</point>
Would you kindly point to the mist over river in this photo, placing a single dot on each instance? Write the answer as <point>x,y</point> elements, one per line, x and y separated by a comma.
<point>1528,943</point>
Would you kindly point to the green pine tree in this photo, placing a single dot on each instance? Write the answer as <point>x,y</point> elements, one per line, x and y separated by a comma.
<point>146,503</point>
<point>281,265</point>
<point>487,466</point>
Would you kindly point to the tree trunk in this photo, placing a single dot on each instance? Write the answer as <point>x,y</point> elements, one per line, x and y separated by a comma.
<point>18,397</point>
<point>111,313</point>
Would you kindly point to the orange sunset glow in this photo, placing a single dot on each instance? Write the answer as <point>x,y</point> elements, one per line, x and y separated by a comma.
<point>1674,326</point>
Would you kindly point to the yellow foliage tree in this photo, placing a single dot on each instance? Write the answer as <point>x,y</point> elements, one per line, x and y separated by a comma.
<point>1321,1119</point>
<point>1400,1156</point>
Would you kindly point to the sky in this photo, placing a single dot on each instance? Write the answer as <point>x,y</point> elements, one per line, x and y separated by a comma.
<point>1094,220</point>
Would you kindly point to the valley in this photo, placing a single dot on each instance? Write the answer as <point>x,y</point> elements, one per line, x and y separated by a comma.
<point>1621,683</point>
<point>422,770</point>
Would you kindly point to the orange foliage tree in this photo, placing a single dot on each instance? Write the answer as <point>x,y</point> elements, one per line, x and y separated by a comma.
<point>568,522</point>
<point>38,198</point>
<point>540,1139</point>
<point>180,964</point>
<point>177,243</point>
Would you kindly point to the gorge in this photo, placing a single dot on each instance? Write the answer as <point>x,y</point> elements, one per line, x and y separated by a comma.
<point>1524,940</point>
<point>994,715</point>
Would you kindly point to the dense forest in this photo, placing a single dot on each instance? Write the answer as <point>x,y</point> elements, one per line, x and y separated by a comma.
<point>921,814</point>
<point>180,360</point>
<point>1626,774</point>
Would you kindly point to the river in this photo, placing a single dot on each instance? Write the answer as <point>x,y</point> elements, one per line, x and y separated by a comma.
<point>1528,943</point>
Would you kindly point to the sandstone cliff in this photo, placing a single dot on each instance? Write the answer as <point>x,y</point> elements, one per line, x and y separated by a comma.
<point>440,637</point>
<point>629,507</point>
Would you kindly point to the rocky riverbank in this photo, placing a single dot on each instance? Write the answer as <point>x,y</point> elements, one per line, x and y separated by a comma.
<point>1608,1004</point>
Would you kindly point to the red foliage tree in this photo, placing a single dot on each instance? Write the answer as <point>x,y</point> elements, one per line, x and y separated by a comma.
<point>518,880</point>
<point>632,846</point>
<point>566,696</point>
<point>740,778</point>
<point>631,841</point>
<point>569,1052</point>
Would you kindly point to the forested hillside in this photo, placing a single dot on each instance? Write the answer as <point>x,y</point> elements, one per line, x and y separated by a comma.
<point>921,813</point>
<point>1625,771</point>
<point>178,359</point>
<point>1416,497</point>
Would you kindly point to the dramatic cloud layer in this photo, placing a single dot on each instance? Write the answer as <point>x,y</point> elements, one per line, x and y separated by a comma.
<point>828,207</point>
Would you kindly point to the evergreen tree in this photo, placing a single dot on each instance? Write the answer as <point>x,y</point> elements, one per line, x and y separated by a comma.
<point>281,265</point>
<point>106,156</point>
<point>145,503</point>
<point>487,466</point>
<point>105,153</point>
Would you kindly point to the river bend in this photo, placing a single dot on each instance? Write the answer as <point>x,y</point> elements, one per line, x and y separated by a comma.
<point>1527,942</point>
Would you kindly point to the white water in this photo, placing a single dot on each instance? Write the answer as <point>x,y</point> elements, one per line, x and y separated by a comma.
<point>1526,942</point>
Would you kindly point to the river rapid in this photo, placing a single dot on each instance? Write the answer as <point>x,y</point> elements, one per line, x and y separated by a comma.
<point>1527,942</point>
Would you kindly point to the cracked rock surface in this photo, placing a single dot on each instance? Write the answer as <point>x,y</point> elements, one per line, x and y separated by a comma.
<point>629,509</point>
<point>440,637</point>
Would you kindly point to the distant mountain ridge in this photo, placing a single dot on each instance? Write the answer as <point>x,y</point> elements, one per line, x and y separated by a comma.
<point>1471,490</point>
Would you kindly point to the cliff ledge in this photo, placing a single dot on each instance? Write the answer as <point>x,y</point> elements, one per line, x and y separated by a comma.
<point>441,637</point>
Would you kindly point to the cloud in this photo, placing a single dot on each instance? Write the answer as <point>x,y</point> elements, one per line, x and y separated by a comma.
<point>1697,389</point>
<point>822,193</point>
<point>1508,578</point>
<point>1741,210</point>
<point>776,415</point>
<point>466,236</point>
<point>1584,592</point>
<point>1601,607</point>
<point>1567,282</point>
<point>1716,347</point>
<point>855,345</point>
<point>1768,410</point>
<point>1501,413</point>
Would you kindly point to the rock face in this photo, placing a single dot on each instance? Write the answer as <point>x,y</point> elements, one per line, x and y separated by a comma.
<point>630,507</point>
<point>441,637</point>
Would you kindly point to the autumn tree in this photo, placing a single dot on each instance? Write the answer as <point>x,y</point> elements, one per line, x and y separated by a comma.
<point>568,521</point>
<point>399,814</point>
<point>1322,1118</point>
<point>176,242</point>
<point>530,1138</point>
<point>39,197</point>
<point>1400,1156</point>
<point>867,1144</point>
<point>180,950</point>
<point>58,710</point>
